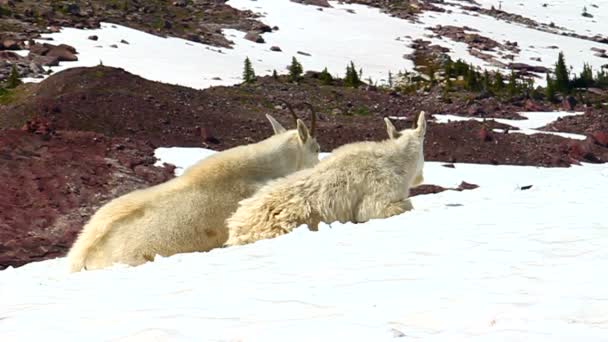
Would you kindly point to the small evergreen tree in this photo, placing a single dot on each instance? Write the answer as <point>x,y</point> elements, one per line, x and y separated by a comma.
<point>13,79</point>
<point>295,70</point>
<point>325,77</point>
<point>550,88</point>
<point>486,81</point>
<point>248,72</point>
<point>352,78</point>
<point>275,75</point>
<point>448,68</point>
<point>471,79</point>
<point>512,87</point>
<point>390,79</point>
<point>586,77</point>
<point>562,81</point>
<point>499,82</point>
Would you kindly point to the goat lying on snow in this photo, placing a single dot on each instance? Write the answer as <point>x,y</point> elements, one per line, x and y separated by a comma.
<point>357,182</point>
<point>188,213</point>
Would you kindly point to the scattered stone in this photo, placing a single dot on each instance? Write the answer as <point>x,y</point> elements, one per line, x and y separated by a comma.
<point>122,41</point>
<point>63,52</point>
<point>303,53</point>
<point>275,48</point>
<point>526,187</point>
<point>254,37</point>
<point>321,3</point>
<point>93,37</point>
<point>114,46</point>
<point>484,134</point>
<point>600,138</point>
<point>10,44</point>
<point>466,186</point>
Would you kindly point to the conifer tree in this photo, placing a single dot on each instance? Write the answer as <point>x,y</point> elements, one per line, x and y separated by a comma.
<point>325,77</point>
<point>352,78</point>
<point>13,79</point>
<point>499,82</point>
<point>562,81</point>
<point>550,89</point>
<point>295,70</point>
<point>512,85</point>
<point>248,72</point>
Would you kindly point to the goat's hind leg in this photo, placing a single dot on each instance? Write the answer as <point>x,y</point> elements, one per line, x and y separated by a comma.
<point>398,207</point>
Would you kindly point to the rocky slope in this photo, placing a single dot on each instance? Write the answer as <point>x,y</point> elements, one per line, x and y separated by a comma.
<point>199,21</point>
<point>54,180</point>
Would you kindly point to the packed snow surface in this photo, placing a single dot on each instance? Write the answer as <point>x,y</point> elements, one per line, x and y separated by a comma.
<point>497,263</point>
<point>566,14</point>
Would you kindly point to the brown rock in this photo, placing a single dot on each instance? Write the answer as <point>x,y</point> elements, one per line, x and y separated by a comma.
<point>484,134</point>
<point>275,48</point>
<point>320,3</point>
<point>254,37</point>
<point>467,186</point>
<point>600,138</point>
<point>45,60</point>
<point>532,106</point>
<point>64,53</point>
<point>10,44</point>
<point>93,37</point>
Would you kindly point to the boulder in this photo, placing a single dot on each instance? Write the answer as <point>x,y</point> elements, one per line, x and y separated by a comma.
<point>64,53</point>
<point>254,37</point>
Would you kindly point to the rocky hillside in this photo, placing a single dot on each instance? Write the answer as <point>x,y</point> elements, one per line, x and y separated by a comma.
<point>22,21</point>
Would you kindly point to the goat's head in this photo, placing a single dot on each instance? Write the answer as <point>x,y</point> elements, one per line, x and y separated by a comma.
<point>413,135</point>
<point>308,147</point>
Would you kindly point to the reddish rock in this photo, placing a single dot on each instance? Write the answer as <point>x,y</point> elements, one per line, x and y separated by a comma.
<point>600,138</point>
<point>63,52</point>
<point>532,106</point>
<point>466,186</point>
<point>426,189</point>
<point>44,60</point>
<point>484,134</point>
<point>254,37</point>
<point>320,3</point>
<point>10,44</point>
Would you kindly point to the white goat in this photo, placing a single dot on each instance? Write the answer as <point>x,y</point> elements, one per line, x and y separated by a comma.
<point>188,213</point>
<point>357,182</point>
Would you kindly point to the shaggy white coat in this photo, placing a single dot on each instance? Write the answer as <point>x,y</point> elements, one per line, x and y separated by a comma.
<point>188,213</point>
<point>356,183</point>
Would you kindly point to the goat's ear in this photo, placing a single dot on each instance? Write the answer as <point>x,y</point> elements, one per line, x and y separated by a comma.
<point>421,129</point>
<point>303,131</point>
<point>391,130</point>
<point>276,126</point>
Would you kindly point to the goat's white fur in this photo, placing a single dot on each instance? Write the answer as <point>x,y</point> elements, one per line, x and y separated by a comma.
<point>188,213</point>
<point>356,183</point>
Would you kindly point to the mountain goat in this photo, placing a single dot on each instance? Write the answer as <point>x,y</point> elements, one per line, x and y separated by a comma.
<point>357,182</point>
<point>188,213</point>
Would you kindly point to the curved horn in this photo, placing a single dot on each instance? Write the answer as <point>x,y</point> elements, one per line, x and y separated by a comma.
<point>290,107</point>
<point>415,123</point>
<point>313,118</point>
